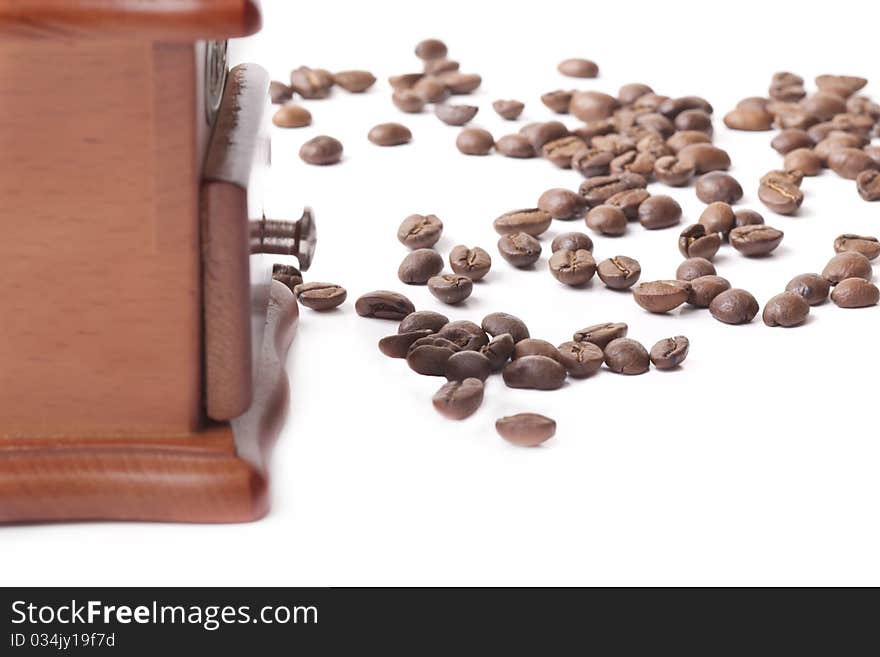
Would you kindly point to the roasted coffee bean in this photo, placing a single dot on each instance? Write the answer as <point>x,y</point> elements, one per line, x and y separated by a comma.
<point>592,105</point>
<point>640,163</point>
<point>539,134</point>
<point>672,107</point>
<point>855,293</point>
<point>850,162</point>
<point>311,82</point>
<point>455,114</point>
<point>836,141</point>
<point>619,272</point>
<point>824,106</point>
<point>560,151</point>
<point>291,116</point>
<point>756,240</point>
<point>803,160</point>
<point>279,92</point>
<point>354,81</point>
<point>535,347</point>
<point>661,296</point>
<point>420,231</point>
<point>460,83</point>
<point>578,68</point>
<point>812,287</point>
<point>629,201</point>
<point>473,263</point>
<point>321,150</point>
<point>791,139</point>
<point>430,354</point>
<point>442,65</point>
<point>474,141</point>
<point>407,100</point>
<point>601,334</point>
<point>508,109</point>
<point>873,152</point>
<point>496,324</point>
<point>748,218</point>
<point>519,249</point>
<point>450,288</point>
<point>562,203</point>
<point>572,267</point>
<point>419,266</point>
<point>669,353</point>
<point>630,93</point>
<point>863,106</point>
<point>704,157</point>
<point>531,221</point>
<point>615,143</point>
<point>515,146</point>
<point>571,241</point>
<point>592,162</point>
<point>650,102</point>
<point>866,245</point>
<point>734,306</point>
<point>457,400</point>
<point>405,81</point>
<point>464,334</point>
<point>599,189</point>
<point>695,242</point>
<point>659,211</point>
<point>780,196</point>
<point>428,49</point>
<point>848,264</point>
<point>791,115</point>
<point>706,288</point>
<point>557,101</point>
<point>468,365</point>
<point>717,186</point>
<point>749,118</point>
<point>580,359</point>
<point>684,138</point>
<point>787,86</point>
<point>840,85</point>
<point>320,296</point>
<point>673,172</point>
<point>397,345</point>
<point>498,351</point>
<point>422,319</point>
<point>694,119</point>
<point>287,274</point>
<point>536,372</point>
<point>389,134</point>
<point>526,429</point>
<point>384,304</point>
<point>694,268</point>
<point>786,309</point>
<point>627,356</point>
<point>607,219</point>
<point>653,144</point>
<point>595,128</point>
<point>868,185</point>
<point>655,122</point>
<point>718,217</point>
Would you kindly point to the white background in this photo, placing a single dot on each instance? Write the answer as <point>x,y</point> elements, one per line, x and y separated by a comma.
<point>755,463</point>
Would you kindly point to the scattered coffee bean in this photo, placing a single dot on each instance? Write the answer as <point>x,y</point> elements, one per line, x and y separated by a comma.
<point>786,309</point>
<point>515,146</point>
<point>287,274</point>
<point>592,105</point>
<point>868,185</point>
<point>696,242</point>
<point>428,49</point>
<point>535,347</point>
<point>473,263</point>
<point>756,240</point>
<point>734,306</point>
<point>320,296</point>
<point>321,150</point>
<point>601,334</point>
<point>850,162</point>
<point>629,201</point>
<point>383,304</point>
<point>803,160</point>
<point>706,288</point>
<point>405,81</point>
<point>791,139</point>
<point>748,218</point>
<point>526,429</point>
<point>468,365</point>
<point>572,267</point>
<point>496,324</point>
<point>539,134</point>
<point>561,151</point>
<point>457,400</point>
<point>835,141</point>
<point>785,86</point>
<point>659,211</point>
<point>840,85</point>
<point>661,296</point>
<point>279,93</point>
<point>535,372</point>
<point>718,217</point>
<point>291,116</point>
<point>450,288</point>
<point>627,356</point>
<point>630,93</point>
<point>557,101</point>
<point>694,119</point>
<point>704,158</point>
<point>607,219</point>
<point>420,265</point>
<point>474,141</point>
<point>562,203</point>
<point>592,162</point>
<point>694,268</point>
<point>460,83</point>
<point>672,171</point>
<point>684,138</point>
<point>354,81</point>
<point>389,134</point>
<point>780,196</point>
<point>571,241</point>
<point>531,221</point>
<point>580,359</point>
<point>717,186</point>
<point>519,249</point>
<point>749,118</point>
<point>866,245</point>
<point>407,100</point>
<point>311,82</point>
<point>855,293</point>
<point>669,353</point>
<point>464,334</point>
<point>578,68</point>
<point>619,272</point>
<point>422,319</point>
<point>498,351</point>
<point>419,231</point>
<point>398,345</point>
<point>455,114</point>
<point>599,189</point>
<point>848,264</point>
<point>812,287</point>
<point>508,109</point>
<point>672,107</point>
<point>437,66</point>
<point>429,355</point>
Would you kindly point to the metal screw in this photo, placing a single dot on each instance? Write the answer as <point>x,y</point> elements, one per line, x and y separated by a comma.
<point>280,237</point>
